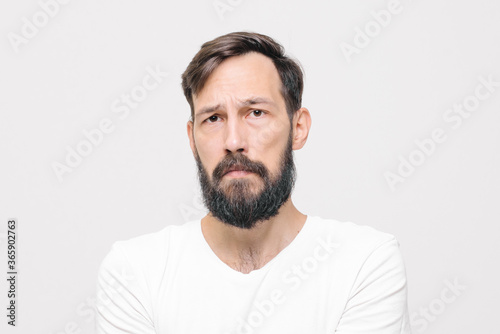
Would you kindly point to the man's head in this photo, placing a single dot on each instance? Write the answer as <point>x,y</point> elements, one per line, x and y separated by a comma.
<point>246,119</point>
<point>214,52</point>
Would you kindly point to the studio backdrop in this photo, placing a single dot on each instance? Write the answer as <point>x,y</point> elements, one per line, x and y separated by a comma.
<point>405,104</point>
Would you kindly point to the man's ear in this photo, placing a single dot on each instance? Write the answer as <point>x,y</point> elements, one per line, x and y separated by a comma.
<point>301,124</point>
<point>190,132</point>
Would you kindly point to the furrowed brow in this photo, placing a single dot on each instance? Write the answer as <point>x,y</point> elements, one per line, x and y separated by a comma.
<point>209,109</point>
<point>245,103</point>
<point>255,100</point>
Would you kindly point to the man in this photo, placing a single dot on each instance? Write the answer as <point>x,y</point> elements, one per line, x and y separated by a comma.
<point>254,263</point>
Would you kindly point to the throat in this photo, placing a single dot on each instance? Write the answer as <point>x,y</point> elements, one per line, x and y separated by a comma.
<point>248,262</point>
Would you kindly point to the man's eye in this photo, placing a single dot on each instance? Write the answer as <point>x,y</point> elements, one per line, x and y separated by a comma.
<point>258,113</point>
<point>212,118</point>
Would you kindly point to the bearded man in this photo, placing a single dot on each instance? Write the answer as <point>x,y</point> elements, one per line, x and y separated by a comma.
<point>254,263</point>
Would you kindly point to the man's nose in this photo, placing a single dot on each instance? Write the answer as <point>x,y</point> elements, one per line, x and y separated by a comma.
<point>235,136</point>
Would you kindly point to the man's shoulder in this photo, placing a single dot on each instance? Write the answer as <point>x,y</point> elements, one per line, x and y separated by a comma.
<point>349,233</point>
<point>151,246</point>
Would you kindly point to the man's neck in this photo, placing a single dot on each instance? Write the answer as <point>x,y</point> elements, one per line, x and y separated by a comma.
<point>245,250</point>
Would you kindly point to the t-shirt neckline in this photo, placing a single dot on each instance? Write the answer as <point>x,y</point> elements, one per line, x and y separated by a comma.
<point>257,272</point>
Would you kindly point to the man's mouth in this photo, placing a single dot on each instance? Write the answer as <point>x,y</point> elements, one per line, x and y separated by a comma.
<point>237,170</point>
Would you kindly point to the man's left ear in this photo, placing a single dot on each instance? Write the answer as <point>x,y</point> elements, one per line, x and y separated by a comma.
<point>301,124</point>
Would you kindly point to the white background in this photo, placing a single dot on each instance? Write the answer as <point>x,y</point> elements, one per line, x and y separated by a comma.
<point>367,110</point>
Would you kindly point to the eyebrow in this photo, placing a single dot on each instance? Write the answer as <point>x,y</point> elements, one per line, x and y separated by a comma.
<point>245,103</point>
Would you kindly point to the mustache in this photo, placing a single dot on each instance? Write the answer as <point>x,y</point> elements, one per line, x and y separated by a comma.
<point>242,162</point>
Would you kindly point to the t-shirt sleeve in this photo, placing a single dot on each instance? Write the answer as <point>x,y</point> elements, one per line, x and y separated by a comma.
<point>378,300</point>
<point>121,304</point>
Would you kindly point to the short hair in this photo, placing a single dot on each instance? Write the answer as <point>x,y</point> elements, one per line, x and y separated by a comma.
<point>214,52</point>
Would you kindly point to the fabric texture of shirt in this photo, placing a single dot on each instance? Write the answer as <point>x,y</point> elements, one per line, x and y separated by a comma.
<point>334,277</point>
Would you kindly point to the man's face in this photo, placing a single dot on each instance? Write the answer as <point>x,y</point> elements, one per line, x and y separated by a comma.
<point>242,141</point>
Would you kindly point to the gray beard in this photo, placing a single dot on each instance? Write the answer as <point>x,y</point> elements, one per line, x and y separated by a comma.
<point>242,208</point>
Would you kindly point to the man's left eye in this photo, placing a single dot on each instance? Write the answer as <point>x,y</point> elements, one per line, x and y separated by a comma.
<point>257,112</point>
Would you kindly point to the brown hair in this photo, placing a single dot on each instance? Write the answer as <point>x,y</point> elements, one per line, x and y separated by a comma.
<point>214,52</point>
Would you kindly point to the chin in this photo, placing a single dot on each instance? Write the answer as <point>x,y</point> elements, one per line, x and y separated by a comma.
<point>247,188</point>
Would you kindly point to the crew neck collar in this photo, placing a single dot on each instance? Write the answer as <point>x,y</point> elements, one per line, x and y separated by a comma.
<point>257,272</point>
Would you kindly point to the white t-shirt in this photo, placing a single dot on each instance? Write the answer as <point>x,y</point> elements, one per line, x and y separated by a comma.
<point>334,277</point>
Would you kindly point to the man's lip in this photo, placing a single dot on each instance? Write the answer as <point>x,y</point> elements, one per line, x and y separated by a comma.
<point>238,172</point>
<point>235,168</point>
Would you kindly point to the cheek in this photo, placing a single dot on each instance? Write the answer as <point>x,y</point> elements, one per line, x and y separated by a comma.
<point>271,144</point>
<point>271,135</point>
<point>207,152</point>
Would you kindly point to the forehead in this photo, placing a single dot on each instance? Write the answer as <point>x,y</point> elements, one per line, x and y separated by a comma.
<point>240,78</point>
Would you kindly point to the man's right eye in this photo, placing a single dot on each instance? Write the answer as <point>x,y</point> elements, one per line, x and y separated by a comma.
<point>212,118</point>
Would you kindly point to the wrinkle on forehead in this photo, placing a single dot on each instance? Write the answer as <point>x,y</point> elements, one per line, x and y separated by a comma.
<point>239,78</point>
<point>240,103</point>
